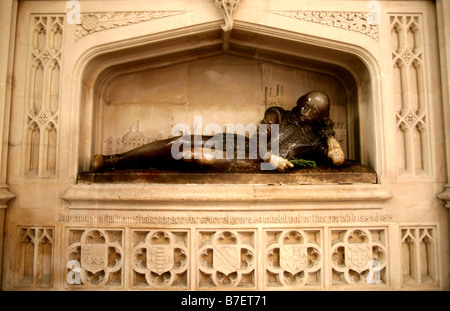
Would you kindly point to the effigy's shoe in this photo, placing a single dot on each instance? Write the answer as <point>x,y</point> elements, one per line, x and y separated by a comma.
<point>98,163</point>
<point>101,162</point>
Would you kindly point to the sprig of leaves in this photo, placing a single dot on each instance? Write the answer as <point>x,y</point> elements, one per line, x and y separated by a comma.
<point>303,162</point>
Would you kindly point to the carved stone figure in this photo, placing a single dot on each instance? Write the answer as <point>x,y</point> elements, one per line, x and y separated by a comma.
<point>304,132</point>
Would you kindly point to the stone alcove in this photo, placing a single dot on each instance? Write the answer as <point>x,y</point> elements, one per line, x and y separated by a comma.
<point>136,93</point>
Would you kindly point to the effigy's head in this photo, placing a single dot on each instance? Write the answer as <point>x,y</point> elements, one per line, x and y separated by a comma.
<point>313,106</point>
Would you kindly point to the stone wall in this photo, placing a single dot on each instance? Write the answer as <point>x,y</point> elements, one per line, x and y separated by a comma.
<point>127,71</point>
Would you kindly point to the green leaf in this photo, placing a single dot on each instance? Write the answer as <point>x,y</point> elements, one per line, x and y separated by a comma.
<point>303,162</point>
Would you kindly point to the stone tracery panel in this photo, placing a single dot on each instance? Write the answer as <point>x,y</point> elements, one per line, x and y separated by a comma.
<point>160,259</point>
<point>419,246</point>
<point>97,256</point>
<point>34,257</point>
<point>412,120</point>
<point>294,258</point>
<point>359,257</point>
<point>227,259</point>
<point>44,95</point>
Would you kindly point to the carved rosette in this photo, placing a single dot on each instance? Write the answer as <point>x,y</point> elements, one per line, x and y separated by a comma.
<point>161,258</point>
<point>359,257</point>
<point>99,21</point>
<point>293,259</point>
<point>361,22</point>
<point>100,255</point>
<point>227,9</point>
<point>227,259</point>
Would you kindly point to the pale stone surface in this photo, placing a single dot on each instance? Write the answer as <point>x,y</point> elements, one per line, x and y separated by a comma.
<point>131,70</point>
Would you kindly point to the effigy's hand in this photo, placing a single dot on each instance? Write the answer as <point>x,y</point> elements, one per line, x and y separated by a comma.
<point>280,163</point>
<point>335,152</point>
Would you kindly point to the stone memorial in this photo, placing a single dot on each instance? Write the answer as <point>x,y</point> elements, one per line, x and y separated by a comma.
<point>224,145</point>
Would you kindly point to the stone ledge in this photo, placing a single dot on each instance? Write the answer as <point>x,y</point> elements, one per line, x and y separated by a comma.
<point>225,197</point>
<point>350,172</point>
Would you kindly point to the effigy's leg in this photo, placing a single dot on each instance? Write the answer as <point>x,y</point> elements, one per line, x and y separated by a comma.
<point>155,150</point>
<point>189,149</point>
<point>183,152</point>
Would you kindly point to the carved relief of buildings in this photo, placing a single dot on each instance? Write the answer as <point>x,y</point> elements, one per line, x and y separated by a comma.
<point>129,141</point>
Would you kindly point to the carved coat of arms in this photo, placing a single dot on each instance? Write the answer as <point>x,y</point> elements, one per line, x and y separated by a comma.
<point>293,258</point>
<point>357,256</point>
<point>160,258</point>
<point>226,258</point>
<point>94,257</point>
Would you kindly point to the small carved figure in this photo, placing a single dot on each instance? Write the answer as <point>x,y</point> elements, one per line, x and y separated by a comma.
<point>304,132</point>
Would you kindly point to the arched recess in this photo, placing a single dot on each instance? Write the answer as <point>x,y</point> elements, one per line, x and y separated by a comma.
<point>352,67</point>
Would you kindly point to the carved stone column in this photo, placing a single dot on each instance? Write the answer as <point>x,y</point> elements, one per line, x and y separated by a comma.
<point>8,13</point>
<point>442,10</point>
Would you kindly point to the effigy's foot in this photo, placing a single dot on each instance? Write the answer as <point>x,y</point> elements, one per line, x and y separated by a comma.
<point>335,152</point>
<point>102,162</point>
<point>98,163</point>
